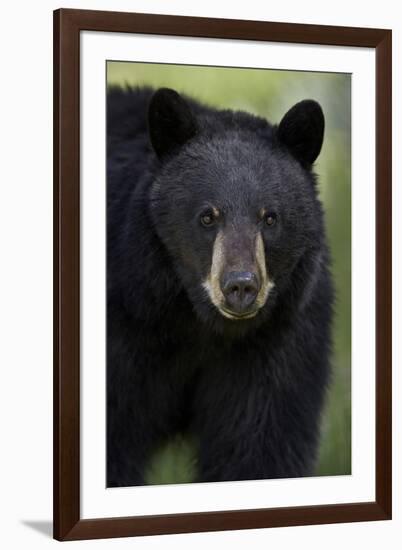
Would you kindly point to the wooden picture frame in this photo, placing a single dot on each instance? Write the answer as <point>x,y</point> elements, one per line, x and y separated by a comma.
<point>68,24</point>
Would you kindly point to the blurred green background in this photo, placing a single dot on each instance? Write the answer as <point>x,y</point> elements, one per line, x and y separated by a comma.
<point>270,93</point>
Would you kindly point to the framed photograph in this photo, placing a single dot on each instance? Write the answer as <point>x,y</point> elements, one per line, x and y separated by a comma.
<point>222,274</point>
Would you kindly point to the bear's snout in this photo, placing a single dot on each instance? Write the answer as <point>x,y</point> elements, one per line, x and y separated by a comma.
<point>240,289</point>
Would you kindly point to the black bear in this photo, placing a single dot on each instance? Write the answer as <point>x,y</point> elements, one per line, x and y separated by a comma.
<point>219,293</point>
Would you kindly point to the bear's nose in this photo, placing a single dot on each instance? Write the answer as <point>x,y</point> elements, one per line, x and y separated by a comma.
<point>240,289</point>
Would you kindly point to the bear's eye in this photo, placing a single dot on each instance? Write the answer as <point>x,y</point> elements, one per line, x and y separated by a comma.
<point>207,218</point>
<point>270,218</point>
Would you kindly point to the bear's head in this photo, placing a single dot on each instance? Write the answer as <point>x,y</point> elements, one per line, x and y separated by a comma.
<point>235,203</point>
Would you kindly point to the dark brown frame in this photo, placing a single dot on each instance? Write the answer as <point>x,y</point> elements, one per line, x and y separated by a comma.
<point>67,26</point>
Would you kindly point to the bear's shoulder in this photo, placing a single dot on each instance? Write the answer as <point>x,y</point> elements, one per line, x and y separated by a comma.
<point>126,111</point>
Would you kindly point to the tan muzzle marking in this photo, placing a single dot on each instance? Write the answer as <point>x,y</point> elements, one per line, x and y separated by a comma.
<point>212,282</point>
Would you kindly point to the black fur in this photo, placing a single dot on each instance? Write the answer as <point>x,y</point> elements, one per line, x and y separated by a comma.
<point>250,391</point>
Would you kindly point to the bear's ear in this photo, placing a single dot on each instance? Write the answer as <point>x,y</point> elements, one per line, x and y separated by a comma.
<point>170,120</point>
<point>302,131</point>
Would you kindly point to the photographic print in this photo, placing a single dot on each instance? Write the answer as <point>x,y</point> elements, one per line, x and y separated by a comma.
<point>222,271</point>
<point>228,274</point>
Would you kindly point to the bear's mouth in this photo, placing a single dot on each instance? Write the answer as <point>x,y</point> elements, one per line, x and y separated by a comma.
<point>237,316</point>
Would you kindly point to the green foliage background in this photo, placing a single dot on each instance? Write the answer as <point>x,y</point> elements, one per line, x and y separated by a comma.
<point>270,93</point>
